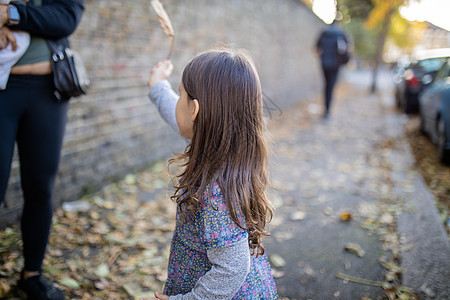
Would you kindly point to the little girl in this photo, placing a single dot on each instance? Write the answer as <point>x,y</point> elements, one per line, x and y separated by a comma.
<point>222,209</point>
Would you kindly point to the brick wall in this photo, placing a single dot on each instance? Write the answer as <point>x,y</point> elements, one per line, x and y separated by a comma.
<point>115,130</point>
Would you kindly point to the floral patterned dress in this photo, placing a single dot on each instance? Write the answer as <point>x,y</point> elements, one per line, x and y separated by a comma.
<point>209,227</point>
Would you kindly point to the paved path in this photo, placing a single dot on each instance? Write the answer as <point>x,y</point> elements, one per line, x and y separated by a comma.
<point>359,163</point>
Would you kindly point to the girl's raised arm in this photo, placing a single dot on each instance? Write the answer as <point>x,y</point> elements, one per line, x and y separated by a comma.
<point>162,94</point>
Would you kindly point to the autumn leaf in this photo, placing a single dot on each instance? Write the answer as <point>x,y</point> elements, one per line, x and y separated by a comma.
<point>298,216</point>
<point>277,260</point>
<point>102,270</point>
<point>355,248</point>
<point>346,216</point>
<point>4,288</point>
<point>277,274</point>
<point>69,282</point>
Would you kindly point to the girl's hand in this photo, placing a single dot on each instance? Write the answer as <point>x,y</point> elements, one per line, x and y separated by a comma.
<point>158,296</point>
<point>160,71</point>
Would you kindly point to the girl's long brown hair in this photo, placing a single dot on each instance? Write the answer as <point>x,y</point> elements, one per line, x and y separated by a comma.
<point>229,146</point>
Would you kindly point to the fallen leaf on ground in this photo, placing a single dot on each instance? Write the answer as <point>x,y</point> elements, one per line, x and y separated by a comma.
<point>277,274</point>
<point>283,236</point>
<point>69,282</point>
<point>277,260</point>
<point>346,216</point>
<point>102,270</point>
<point>130,179</point>
<point>298,216</point>
<point>391,266</point>
<point>4,288</point>
<point>355,248</point>
<point>386,219</point>
<point>328,211</point>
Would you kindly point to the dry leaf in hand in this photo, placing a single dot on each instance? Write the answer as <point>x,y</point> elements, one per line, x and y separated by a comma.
<point>163,18</point>
<point>165,22</point>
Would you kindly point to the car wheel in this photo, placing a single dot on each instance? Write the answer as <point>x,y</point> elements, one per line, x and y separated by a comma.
<point>409,107</point>
<point>402,102</point>
<point>422,125</point>
<point>443,154</point>
<point>397,100</point>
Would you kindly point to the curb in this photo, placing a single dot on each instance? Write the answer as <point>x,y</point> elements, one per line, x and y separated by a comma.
<point>425,248</point>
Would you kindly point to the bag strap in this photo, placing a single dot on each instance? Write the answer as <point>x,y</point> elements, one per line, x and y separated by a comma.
<point>54,46</point>
<point>57,51</point>
<point>58,45</point>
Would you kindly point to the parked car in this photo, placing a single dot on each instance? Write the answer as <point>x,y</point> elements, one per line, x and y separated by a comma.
<point>398,73</point>
<point>417,76</point>
<point>435,112</point>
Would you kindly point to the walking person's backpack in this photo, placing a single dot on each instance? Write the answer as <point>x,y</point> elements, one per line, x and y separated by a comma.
<point>342,51</point>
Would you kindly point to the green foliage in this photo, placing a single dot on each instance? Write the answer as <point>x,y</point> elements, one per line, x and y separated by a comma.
<point>362,19</point>
<point>364,41</point>
<point>354,14</point>
<point>401,32</point>
<point>357,9</point>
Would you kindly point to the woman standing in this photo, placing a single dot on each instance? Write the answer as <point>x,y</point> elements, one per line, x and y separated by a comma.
<point>31,116</point>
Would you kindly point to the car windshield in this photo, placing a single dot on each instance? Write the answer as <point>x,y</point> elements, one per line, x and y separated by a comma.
<point>431,64</point>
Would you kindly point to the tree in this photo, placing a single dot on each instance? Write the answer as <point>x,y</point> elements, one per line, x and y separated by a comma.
<point>354,13</point>
<point>381,13</point>
<point>379,19</point>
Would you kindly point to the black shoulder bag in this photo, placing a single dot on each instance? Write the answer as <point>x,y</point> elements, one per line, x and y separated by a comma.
<point>342,50</point>
<point>69,74</point>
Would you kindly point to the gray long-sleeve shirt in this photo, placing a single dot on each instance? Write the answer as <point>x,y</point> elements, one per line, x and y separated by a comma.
<point>165,99</point>
<point>230,264</point>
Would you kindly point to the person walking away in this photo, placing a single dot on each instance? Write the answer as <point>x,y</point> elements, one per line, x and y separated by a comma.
<point>31,116</point>
<point>222,208</point>
<point>330,42</point>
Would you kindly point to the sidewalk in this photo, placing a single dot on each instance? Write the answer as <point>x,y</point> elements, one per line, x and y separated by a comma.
<point>358,163</point>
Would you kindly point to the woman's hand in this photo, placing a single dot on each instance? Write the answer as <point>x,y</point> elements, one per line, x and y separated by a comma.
<point>158,296</point>
<point>160,71</point>
<point>6,38</point>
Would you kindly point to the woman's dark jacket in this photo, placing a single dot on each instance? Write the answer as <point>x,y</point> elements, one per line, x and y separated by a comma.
<point>56,21</point>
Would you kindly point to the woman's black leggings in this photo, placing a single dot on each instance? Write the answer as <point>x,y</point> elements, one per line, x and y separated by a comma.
<point>30,116</point>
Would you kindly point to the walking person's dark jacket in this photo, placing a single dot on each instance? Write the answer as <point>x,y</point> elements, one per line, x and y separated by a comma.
<point>327,45</point>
